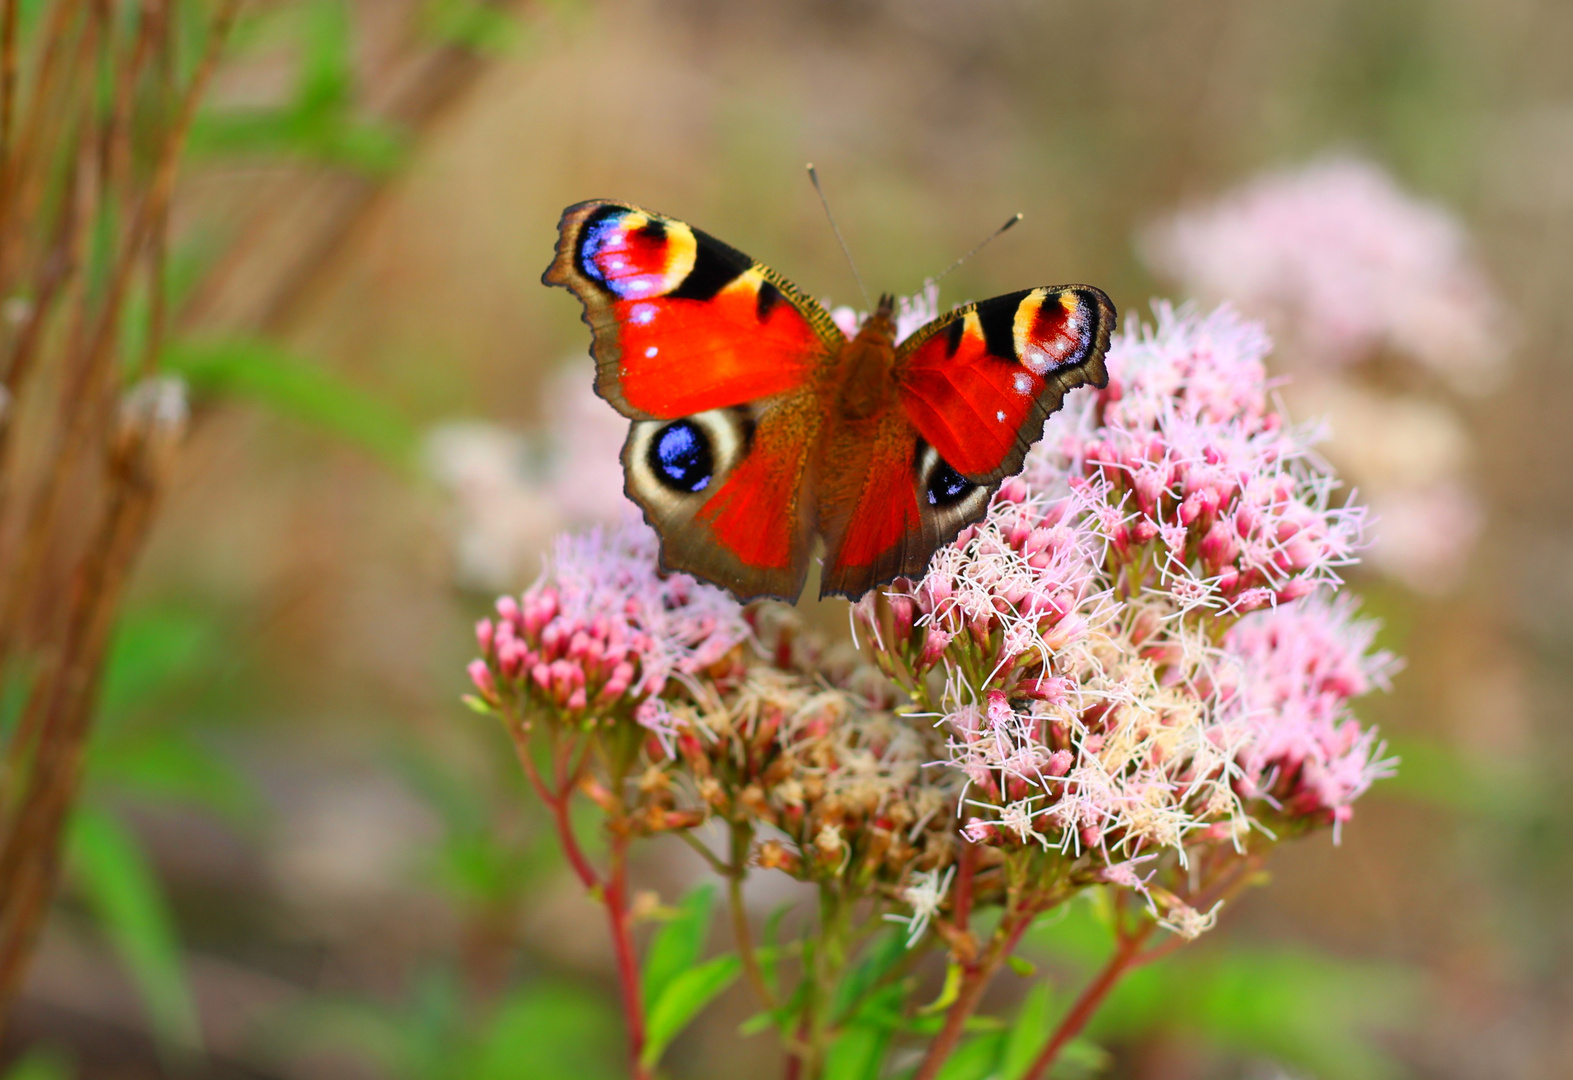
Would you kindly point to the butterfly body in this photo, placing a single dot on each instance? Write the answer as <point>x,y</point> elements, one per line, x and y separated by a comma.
<point>757,425</point>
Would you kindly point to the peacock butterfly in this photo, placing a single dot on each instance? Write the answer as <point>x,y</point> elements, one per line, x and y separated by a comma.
<point>758,425</point>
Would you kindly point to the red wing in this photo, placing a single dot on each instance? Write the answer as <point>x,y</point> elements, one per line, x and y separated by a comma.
<point>979,382</point>
<point>714,358</point>
<point>725,488</point>
<point>886,503</point>
<point>682,322</point>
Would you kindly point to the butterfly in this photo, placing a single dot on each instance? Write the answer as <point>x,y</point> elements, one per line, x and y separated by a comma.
<point>757,425</point>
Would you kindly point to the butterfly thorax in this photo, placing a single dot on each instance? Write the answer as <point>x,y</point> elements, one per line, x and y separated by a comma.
<point>864,364</point>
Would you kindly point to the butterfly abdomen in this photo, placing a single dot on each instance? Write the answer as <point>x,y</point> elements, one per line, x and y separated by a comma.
<point>865,367</point>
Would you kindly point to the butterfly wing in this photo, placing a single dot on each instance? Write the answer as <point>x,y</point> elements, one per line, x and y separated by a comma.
<point>714,358</point>
<point>973,390</point>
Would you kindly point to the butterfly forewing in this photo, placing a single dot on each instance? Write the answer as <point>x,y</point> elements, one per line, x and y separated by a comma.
<point>974,388</point>
<point>714,358</point>
<point>979,382</point>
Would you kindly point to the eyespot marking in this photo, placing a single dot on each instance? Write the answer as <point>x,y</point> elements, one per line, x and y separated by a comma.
<point>946,486</point>
<point>681,458</point>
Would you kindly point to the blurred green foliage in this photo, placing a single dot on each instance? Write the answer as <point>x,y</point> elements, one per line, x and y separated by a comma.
<point>1299,1008</point>
<point>543,1031</point>
<point>294,388</point>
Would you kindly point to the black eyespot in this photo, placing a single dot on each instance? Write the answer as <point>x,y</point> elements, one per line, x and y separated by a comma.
<point>680,457</point>
<point>947,487</point>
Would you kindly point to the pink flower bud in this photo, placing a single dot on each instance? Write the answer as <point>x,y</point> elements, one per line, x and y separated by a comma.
<point>510,657</point>
<point>481,676</point>
<point>483,635</point>
<point>1251,599</point>
<point>978,831</point>
<point>1059,763</point>
<point>1219,546</point>
<point>1293,590</point>
<point>508,608</point>
<point>1012,490</point>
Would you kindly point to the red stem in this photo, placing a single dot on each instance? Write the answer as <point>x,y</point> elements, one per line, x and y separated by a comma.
<point>964,876</point>
<point>973,984</point>
<point>612,893</point>
<point>615,897</point>
<point>1123,960</point>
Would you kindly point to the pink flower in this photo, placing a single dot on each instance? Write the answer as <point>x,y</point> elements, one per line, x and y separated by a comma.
<point>1343,264</point>
<point>1087,701</point>
<point>1184,447</point>
<point>1287,680</point>
<point>604,625</point>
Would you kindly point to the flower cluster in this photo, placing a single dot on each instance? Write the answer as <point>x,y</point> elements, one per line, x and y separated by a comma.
<point>1371,294</point>
<point>806,748</point>
<point>1343,264</point>
<point>1106,694</point>
<point>1289,676</point>
<point>604,628</point>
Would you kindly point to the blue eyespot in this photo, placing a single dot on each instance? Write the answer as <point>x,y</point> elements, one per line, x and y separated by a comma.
<point>680,457</point>
<point>947,486</point>
<point>594,239</point>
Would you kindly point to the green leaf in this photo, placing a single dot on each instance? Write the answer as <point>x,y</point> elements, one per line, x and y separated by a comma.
<point>40,1065</point>
<point>111,869</point>
<point>678,945</point>
<point>471,24</point>
<point>294,388</point>
<point>1306,1011</point>
<point>689,992</point>
<point>547,1032</point>
<point>887,951</point>
<point>169,767</point>
<point>974,1059</point>
<point>1029,1034</point>
<point>947,993</point>
<point>857,1053</point>
<point>154,649</point>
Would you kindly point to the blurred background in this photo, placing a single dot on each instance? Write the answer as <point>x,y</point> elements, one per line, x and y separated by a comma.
<point>297,856</point>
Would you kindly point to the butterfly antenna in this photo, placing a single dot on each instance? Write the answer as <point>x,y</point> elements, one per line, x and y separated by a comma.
<point>985,243</point>
<point>814,176</point>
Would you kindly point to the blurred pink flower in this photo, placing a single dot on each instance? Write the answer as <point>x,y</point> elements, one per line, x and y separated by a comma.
<point>1342,263</point>
<point>1426,534</point>
<point>512,492</point>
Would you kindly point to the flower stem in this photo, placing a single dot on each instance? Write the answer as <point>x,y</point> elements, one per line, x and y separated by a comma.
<point>978,973</point>
<point>615,897</point>
<point>612,893</point>
<point>1123,960</point>
<point>737,869</point>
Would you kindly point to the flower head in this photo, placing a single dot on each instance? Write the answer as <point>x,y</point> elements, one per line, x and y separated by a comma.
<point>604,625</point>
<point>1091,629</point>
<point>1342,263</point>
<point>1288,677</point>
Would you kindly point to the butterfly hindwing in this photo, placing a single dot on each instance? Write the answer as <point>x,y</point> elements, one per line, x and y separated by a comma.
<point>887,502</point>
<point>974,388</point>
<point>979,382</point>
<point>714,359</point>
